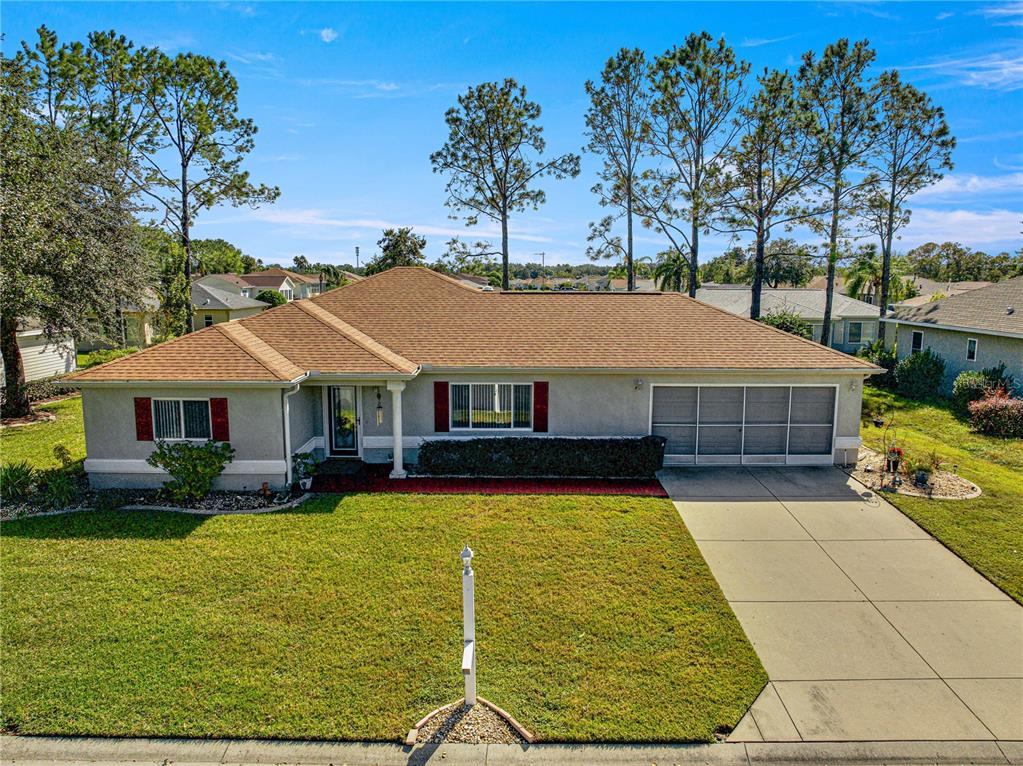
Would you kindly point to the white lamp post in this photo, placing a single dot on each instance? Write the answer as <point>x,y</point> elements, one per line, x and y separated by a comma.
<point>469,626</point>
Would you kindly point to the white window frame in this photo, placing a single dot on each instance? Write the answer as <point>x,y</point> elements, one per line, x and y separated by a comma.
<point>181,418</point>
<point>976,348</point>
<point>207,320</point>
<point>912,338</point>
<point>476,429</point>
<point>288,294</point>
<point>848,334</point>
<point>742,457</point>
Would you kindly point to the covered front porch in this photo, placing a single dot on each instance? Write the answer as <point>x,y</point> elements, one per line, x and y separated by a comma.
<point>348,420</point>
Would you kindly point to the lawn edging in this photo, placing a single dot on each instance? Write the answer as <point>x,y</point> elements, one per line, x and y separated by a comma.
<point>174,509</point>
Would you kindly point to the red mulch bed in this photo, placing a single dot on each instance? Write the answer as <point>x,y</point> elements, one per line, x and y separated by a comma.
<point>457,486</point>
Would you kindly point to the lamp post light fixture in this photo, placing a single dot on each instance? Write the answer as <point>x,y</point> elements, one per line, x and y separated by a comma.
<point>379,409</point>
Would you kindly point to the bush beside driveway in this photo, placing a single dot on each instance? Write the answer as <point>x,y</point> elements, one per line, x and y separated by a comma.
<point>598,620</point>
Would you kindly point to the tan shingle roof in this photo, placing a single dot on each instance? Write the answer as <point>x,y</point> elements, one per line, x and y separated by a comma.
<point>985,308</point>
<point>395,321</point>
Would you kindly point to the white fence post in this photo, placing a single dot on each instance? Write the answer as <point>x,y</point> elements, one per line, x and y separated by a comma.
<point>469,626</point>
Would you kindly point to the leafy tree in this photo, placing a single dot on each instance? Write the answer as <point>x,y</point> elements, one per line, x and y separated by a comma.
<point>865,273</point>
<point>833,89</point>
<point>493,157</point>
<point>301,264</point>
<point>69,248</point>
<point>619,109</point>
<point>671,271</point>
<point>954,262</point>
<point>787,263</point>
<point>175,293</point>
<point>217,256</point>
<point>789,321</point>
<point>698,87</point>
<point>273,297</point>
<point>250,264</point>
<point>398,247</point>
<point>912,148</point>
<point>774,164</point>
<point>729,268</point>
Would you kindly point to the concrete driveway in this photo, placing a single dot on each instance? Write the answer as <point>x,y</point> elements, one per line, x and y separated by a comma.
<point>868,627</point>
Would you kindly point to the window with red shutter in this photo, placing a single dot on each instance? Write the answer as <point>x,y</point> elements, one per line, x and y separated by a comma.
<point>441,406</point>
<point>540,391</point>
<point>143,418</point>
<point>218,418</point>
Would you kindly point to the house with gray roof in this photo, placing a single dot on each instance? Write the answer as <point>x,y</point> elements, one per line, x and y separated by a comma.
<point>974,330</point>
<point>211,305</point>
<point>853,322</point>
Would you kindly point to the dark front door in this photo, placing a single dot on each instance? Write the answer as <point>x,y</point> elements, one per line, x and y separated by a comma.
<point>344,420</point>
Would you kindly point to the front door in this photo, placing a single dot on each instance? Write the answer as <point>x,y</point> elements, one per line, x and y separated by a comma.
<point>344,420</point>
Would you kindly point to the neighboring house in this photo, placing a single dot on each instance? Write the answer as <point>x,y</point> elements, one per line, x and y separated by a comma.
<point>621,285</point>
<point>853,322</point>
<point>292,285</point>
<point>41,358</point>
<point>928,290</point>
<point>974,330</point>
<point>375,368</point>
<point>211,305</point>
<point>137,326</point>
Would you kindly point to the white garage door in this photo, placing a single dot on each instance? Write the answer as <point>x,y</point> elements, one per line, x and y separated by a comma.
<point>709,425</point>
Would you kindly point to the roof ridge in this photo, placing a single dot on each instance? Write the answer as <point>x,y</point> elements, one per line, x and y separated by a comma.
<point>272,359</point>
<point>758,323</point>
<point>356,336</point>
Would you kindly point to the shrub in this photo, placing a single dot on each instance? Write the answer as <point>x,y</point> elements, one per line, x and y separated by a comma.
<point>39,390</point>
<point>16,481</point>
<point>103,355</point>
<point>876,353</point>
<point>789,321</point>
<point>273,297</point>
<point>919,375</point>
<point>969,386</point>
<point>542,456</point>
<point>192,467</point>
<point>998,414</point>
<point>57,487</point>
<point>998,378</point>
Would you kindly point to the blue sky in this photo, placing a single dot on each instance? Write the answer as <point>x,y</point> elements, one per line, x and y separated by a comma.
<point>350,98</point>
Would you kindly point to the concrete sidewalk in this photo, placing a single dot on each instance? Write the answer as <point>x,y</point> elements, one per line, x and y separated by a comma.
<point>869,628</point>
<point>165,752</point>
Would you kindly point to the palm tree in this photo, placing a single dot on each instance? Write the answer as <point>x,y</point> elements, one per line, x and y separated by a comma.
<point>671,272</point>
<point>864,275</point>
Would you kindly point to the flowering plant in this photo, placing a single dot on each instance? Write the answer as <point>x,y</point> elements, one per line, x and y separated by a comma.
<point>895,452</point>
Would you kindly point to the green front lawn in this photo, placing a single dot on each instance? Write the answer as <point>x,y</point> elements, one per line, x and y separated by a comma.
<point>597,620</point>
<point>35,443</point>
<point>987,531</point>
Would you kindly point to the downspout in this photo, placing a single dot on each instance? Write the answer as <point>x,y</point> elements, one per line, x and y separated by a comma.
<point>287,432</point>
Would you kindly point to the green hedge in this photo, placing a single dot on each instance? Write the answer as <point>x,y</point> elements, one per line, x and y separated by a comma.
<point>47,388</point>
<point>633,457</point>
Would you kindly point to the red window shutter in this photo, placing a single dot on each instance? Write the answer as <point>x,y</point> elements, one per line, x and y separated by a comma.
<point>540,390</point>
<point>143,418</point>
<point>441,407</point>
<point>218,420</point>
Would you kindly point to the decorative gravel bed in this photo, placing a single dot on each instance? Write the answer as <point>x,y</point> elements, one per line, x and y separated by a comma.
<point>476,725</point>
<point>943,485</point>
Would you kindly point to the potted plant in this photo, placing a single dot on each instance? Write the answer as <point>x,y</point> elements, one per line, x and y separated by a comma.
<point>893,458</point>
<point>305,466</point>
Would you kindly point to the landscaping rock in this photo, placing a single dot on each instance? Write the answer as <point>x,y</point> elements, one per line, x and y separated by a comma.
<point>943,485</point>
<point>476,725</point>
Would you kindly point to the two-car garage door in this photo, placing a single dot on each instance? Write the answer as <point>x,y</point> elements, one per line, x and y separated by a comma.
<point>744,424</point>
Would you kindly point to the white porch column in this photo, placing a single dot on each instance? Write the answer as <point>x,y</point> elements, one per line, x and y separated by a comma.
<point>396,387</point>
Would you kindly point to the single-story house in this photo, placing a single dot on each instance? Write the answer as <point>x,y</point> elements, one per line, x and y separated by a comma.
<point>974,330</point>
<point>928,290</point>
<point>40,357</point>
<point>137,326</point>
<point>211,305</point>
<point>853,322</point>
<point>374,369</point>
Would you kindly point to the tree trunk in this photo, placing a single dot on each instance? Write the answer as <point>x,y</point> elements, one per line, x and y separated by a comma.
<point>186,245</point>
<point>886,262</point>
<point>758,273</point>
<point>829,288</point>
<point>693,257</point>
<point>629,262</point>
<point>504,250</point>
<point>16,404</point>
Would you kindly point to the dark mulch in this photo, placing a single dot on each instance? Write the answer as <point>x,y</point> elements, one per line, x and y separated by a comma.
<point>351,476</point>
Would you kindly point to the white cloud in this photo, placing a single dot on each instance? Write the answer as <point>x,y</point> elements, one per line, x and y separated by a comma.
<point>1007,15</point>
<point>972,184</point>
<point>756,42</point>
<point>995,71</point>
<point>977,229</point>
<point>328,34</point>
<point>944,15</point>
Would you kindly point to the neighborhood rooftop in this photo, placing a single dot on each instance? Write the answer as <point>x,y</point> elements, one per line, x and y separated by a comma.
<point>994,309</point>
<point>806,302</point>
<point>411,317</point>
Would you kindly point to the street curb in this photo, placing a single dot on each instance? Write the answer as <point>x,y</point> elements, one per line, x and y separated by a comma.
<point>27,749</point>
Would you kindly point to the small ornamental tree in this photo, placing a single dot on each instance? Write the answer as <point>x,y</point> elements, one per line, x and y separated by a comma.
<point>273,297</point>
<point>789,321</point>
<point>192,467</point>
